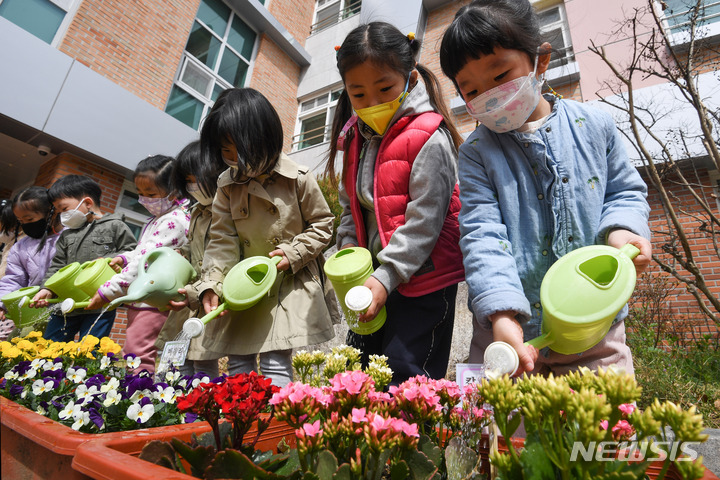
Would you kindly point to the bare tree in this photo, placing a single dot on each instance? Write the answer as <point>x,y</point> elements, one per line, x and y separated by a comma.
<point>669,157</point>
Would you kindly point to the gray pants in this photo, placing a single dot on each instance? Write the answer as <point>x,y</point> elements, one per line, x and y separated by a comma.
<point>276,365</point>
<point>209,367</point>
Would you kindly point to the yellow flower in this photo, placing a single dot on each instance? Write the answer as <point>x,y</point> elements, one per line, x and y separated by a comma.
<point>12,352</point>
<point>107,345</point>
<point>34,334</point>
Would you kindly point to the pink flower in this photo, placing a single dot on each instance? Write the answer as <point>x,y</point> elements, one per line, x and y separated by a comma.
<point>350,382</point>
<point>171,225</point>
<point>627,408</point>
<point>158,245</point>
<point>156,233</point>
<point>174,241</point>
<point>142,252</point>
<point>604,424</point>
<point>358,415</point>
<point>623,430</point>
<point>312,429</point>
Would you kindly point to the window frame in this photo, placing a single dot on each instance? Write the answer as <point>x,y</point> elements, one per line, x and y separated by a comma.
<point>70,7</point>
<point>130,216</point>
<point>681,39</point>
<point>328,106</point>
<point>343,5</point>
<point>213,74</point>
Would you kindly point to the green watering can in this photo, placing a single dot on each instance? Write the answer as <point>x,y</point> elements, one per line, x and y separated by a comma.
<point>581,294</point>
<point>62,283</point>
<point>92,275</point>
<point>244,285</point>
<point>349,268</point>
<point>163,271</point>
<point>18,309</point>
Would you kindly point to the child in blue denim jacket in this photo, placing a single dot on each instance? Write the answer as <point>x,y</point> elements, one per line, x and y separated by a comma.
<point>539,177</point>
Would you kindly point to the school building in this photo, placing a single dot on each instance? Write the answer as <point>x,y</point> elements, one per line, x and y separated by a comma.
<point>92,87</point>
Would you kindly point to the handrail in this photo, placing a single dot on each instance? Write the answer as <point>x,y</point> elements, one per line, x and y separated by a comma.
<point>308,136</point>
<point>564,56</point>
<point>684,13</point>
<point>352,9</point>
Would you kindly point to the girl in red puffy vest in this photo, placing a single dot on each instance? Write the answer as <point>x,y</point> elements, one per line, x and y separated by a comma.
<point>400,197</point>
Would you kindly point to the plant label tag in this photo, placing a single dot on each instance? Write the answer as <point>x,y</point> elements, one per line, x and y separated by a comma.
<point>467,373</point>
<point>174,353</point>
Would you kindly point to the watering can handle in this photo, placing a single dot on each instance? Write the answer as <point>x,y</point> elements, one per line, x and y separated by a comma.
<point>630,250</point>
<point>276,259</point>
<point>540,342</point>
<point>148,259</point>
<point>210,316</point>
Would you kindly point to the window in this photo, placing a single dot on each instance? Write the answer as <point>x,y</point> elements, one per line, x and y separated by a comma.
<point>217,56</point>
<point>315,120</point>
<point>134,214</point>
<point>42,18</point>
<point>554,27</point>
<point>679,12</point>
<point>330,12</point>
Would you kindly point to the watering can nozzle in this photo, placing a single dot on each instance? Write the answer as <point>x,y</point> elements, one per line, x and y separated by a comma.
<point>193,327</point>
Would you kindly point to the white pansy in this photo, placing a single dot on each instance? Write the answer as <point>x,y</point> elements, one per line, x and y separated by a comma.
<point>11,375</point>
<point>67,412</point>
<point>112,384</point>
<point>41,386</point>
<point>40,410</point>
<point>81,418</point>
<point>198,381</point>
<point>112,397</point>
<point>76,375</point>
<point>166,395</point>
<point>140,414</point>
<point>133,362</point>
<point>30,373</point>
<point>172,377</point>
<point>52,366</point>
<point>85,394</point>
<point>104,362</point>
<point>139,395</point>
<point>37,363</point>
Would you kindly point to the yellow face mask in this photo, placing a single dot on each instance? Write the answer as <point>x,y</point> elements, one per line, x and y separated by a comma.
<point>378,117</point>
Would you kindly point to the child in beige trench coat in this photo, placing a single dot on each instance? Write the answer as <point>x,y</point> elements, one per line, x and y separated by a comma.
<point>265,204</point>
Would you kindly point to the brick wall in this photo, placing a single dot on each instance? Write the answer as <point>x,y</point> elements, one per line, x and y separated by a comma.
<point>137,44</point>
<point>111,184</point>
<point>276,76</point>
<point>295,15</point>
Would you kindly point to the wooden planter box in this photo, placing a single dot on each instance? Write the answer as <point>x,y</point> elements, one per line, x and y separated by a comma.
<point>116,457</point>
<point>34,447</point>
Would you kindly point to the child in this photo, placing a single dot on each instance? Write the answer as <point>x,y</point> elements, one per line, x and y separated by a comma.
<point>400,197</point>
<point>29,258</point>
<point>539,177</point>
<point>265,204</point>
<point>88,235</point>
<point>196,178</point>
<point>168,227</point>
<point>9,232</point>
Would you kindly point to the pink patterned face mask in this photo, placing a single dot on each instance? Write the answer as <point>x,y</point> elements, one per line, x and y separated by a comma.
<point>507,106</point>
<point>156,206</point>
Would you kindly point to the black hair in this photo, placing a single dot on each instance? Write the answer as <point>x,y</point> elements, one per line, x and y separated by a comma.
<point>36,199</point>
<point>246,118</point>
<point>9,224</point>
<point>384,45</point>
<point>75,186</point>
<point>483,25</point>
<point>158,168</point>
<point>190,162</point>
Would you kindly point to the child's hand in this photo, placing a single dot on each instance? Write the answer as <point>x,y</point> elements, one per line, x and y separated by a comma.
<point>2,315</point>
<point>117,264</point>
<point>507,329</point>
<point>210,301</point>
<point>284,263</point>
<point>179,305</point>
<point>379,298</point>
<point>348,245</point>
<point>96,302</point>
<point>618,238</point>
<point>40,298</point>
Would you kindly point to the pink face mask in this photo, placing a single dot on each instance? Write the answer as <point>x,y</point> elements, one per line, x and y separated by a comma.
<point>508,106</point>
<point>156,206</point>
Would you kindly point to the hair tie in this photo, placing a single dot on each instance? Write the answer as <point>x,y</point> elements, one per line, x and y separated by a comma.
<point>411,36</point>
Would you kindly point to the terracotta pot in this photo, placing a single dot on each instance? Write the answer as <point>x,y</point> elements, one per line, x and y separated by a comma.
<point>35,447</point>
<point>114,457</point>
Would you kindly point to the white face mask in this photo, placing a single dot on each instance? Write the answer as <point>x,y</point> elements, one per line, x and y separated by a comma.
<point>197,193</point>
<point>74,218</point>
<point>507,106</point>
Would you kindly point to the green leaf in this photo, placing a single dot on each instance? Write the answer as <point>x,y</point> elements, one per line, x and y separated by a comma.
<point>400,471</point>
<point>327,465</point>
<point>159,453</point>
<point>459,459</point>
<point>430,449</point>
<point>234,464</point>
<point>535,462</point>
<point>343,472</point>
<point>198,456</point>
<point>513,424</point>
<point>420,466</point>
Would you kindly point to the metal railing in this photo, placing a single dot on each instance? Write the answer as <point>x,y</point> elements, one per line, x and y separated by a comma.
<point>353,8</point>
<point>309,138</point>
<point>561,57</point>
<point>676,22</point>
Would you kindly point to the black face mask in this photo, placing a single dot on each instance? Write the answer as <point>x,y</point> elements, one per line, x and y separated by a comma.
<point>35,229</point>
